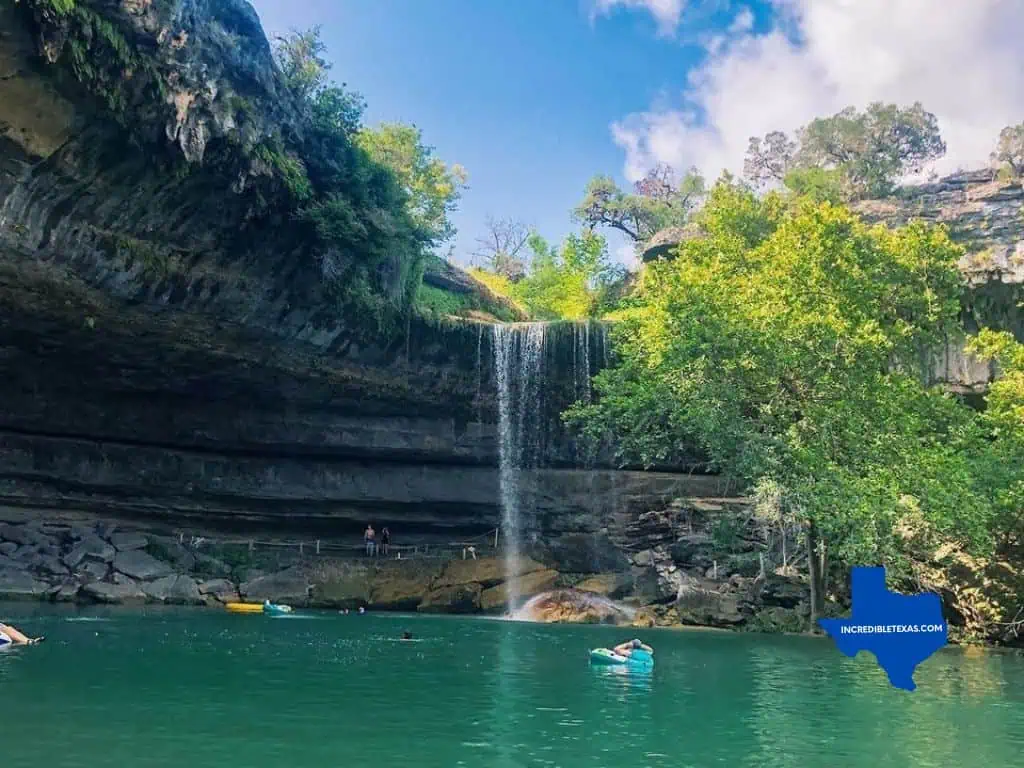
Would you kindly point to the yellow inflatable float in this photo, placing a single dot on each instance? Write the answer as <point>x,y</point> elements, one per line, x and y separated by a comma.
<point>244,607</point>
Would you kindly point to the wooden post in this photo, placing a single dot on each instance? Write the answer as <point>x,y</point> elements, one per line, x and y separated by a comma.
<point>300,548</point>
<point>252,546</point>
<point>714,573</point>
<point>496,537</point>
<point>318,546</point>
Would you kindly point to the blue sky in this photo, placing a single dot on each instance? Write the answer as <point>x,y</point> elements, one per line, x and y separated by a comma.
<point>521,93</point>
<point>534,97</point>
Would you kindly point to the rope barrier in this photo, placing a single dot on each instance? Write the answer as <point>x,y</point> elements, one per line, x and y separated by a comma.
<point>320,546</point>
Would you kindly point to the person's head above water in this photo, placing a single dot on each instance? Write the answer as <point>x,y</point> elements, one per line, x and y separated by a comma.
<point>407,635</point>
<point>637,644</point>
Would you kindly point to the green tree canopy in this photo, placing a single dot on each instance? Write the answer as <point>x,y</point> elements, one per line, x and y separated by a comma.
<point>657,201</point>
<point>787,353</point>
<point>569,281</point>
<point>433,188</point>
<point>870,150</point>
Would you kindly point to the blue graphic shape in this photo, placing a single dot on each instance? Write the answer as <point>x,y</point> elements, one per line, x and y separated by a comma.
<point>901,631</point>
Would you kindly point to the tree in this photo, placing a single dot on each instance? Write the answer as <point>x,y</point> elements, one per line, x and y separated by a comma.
<point>873,148</point>
<point>769,159</point>
<point>498,251</point>
<point>787,355</point>
<point>1009,153</point>
<point>870,151</point>
<point>433,188</point>
<point>299,56</point>
<point>657,201</point>
<point>565,282</point>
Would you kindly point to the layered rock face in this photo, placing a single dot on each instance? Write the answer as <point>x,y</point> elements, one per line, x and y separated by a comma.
<point>986,215</point>
<point>167,357</point>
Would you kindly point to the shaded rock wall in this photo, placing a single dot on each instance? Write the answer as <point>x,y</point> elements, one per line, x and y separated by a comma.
<point>986,215</point>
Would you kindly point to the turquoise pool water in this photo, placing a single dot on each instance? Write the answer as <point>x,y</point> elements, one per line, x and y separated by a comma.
<point>147,688</point>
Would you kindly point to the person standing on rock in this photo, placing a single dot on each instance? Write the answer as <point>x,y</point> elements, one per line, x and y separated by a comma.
<point>370,537</point>
<point>10,636</point>
<point>385,540</point>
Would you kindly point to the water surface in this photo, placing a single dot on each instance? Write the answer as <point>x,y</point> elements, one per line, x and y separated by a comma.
<point>166,687</point>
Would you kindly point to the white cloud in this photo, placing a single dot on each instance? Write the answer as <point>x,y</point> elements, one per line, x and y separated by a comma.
<point>668,13</point>
<point>962,59</point>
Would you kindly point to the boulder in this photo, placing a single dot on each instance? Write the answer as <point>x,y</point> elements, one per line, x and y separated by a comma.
<point>528,585</point>
<point>128,541</point>
<point>710,604</point>
<point>105,529</point>
<point>221,590</point>
<point>139,565</point>
<point>47,564</point>
<point>92,547</point>
<point>693,551</point>
<point>124,591</point>
<point>606,584</point>
<point>93,570</point>
<point>66,592</point>
<point>290,586</point>
<point>174,590</point>
<point>211,566</point>
<point>8,548</point>
<point>20,585</point>
<point>782,592</point>
<point>571,606</point>
<point>460,598</point>
<point>401,585</point>
<point>26,534</point>
<point>486,571</point>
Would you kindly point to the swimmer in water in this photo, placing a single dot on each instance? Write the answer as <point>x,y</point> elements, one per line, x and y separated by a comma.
<point>10,636</point>
<point>407,635</point>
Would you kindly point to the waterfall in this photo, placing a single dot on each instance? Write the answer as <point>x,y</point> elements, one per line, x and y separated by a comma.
<point>539,370</point>
<point>518,367</point>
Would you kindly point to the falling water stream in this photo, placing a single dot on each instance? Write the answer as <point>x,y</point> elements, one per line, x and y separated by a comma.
<point>518,367</point>
<point>524,371</point>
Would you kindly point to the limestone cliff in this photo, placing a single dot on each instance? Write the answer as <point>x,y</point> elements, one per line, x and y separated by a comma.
<point>986,215</point>
<point>169,348</point>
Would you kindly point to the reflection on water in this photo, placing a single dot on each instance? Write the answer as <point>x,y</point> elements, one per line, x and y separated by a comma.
<point>209,689</point>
